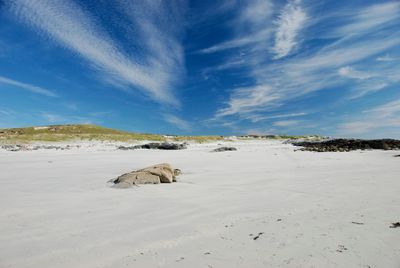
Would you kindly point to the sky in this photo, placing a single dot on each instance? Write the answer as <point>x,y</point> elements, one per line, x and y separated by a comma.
<point>222,67</point>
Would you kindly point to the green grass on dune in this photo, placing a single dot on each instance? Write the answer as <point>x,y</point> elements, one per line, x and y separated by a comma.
<point>58,133</point>
<point>199,139</point>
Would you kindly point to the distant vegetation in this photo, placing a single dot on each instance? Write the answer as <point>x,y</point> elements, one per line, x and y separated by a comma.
<point>72,132</point>
<point>283,137</point>
<point>199,139</point>
<point>56,133</point>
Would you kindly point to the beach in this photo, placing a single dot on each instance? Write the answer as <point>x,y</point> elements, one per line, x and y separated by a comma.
<point>265,205</point>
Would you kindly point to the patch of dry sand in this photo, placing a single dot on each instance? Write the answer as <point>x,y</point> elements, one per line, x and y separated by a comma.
<point>261,206</point>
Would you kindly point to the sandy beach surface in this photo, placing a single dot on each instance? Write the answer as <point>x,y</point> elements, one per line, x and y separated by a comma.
<point>264,205</point>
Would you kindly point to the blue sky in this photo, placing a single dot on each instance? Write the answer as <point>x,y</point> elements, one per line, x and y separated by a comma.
<point>203,67</point>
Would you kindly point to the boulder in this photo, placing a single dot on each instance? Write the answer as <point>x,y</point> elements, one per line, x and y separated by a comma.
<point>164,171</point>
<point>133,178</point>
<point>224,149</point>
<point>160,173</point>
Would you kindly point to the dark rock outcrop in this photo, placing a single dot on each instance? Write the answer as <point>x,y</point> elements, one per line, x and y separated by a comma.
<point>224,149</point>
<point>156,146</point>
<point>395,225</point>
<point>346,145</point>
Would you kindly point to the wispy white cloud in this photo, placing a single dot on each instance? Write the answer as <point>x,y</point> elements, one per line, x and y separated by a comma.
<point>282,82</point>
<point>71,26</point>
<point>251,28</point>
<point>178,122</point>
<point>391,108</point>
<point>368,125</point>
<point>345,53</point>
<point>349,72</point>
<point>289,24</point>
<point>371,18</point>
<point>257,117</point>
<point>72,106</point>
<point>286,123</point>
<point>280,127</point>
<point>51,117</point>
<point>367,87</point>
<point>386,57</point>
<point>29,87</point>
<point>6,112</point>
<point>278,83</point>
<point>247,100</point>
<point>239,42</point>
<point>383,116</point>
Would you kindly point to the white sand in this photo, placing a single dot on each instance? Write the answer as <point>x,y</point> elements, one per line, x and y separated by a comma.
<point>58,211</point>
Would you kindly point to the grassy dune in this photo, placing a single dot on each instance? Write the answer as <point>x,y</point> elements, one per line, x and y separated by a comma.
<point>57,133</point>
<point>71,132</point>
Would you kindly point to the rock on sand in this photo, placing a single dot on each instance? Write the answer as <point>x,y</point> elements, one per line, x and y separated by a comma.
<point>160,173</point>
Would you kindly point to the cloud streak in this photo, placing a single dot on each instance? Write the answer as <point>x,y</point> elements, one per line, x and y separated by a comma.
<point>371,18</point>
<point>286,123</point>
<point>29,87</point>
<point>289,24</point>
<point>248,100</point>
<point>349,72</point>
<point>76,29</point>
<point>178,122</point>
<point>251,27</point>
<point>334,64</point>
<point>383,116</point>
<point>257,118</point>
